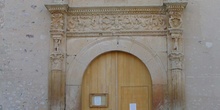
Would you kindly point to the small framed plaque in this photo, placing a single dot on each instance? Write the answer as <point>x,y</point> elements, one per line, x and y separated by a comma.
<point>98,100</point>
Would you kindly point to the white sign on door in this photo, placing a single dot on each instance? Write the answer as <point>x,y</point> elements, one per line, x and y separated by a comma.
<point>97,100</point>
<point>133,106</point>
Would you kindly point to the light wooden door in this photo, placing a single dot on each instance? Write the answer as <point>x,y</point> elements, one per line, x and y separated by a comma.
<point>123,77</point>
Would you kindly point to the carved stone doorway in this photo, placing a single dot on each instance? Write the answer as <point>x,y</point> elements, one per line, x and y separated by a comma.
<point>151,33</point>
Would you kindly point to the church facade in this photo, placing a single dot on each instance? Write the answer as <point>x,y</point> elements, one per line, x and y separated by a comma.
<point>109,55</point>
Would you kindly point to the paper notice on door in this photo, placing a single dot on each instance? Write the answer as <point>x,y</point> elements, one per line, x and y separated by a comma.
<point>133,106</point>
<point>97,100</point>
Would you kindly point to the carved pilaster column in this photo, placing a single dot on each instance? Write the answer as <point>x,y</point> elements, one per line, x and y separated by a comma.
<point>175,51</point>
<point>58,55</point>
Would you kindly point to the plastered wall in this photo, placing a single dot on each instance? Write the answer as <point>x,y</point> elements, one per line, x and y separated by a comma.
<point>24,54</point>
<point>202,61</point>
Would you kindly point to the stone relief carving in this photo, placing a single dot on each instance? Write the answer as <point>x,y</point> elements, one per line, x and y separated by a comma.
<point>176,64</point>
<point>132,21</point>
<point>175,11</point>
<point>116,23</point>
<point>57,25</point>
<point>57,54</point>
<point>57,21</point>
<point>175,20</point>
<point>175,37</point>
<point>57,96</point>
<point>57,59</point>
<point>57,42</point>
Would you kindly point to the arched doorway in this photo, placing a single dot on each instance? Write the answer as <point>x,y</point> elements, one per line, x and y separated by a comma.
<point>117,81</point>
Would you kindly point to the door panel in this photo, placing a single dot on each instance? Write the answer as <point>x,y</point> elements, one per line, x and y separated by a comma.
<point>134,95</point>
<point>100,78</point>
<point>132,73</point>
<point>123,77</point>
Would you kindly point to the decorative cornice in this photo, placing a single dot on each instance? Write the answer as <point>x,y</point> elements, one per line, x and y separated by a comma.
<point>121,33</point>
<point>116,10</point>
<point>57,7</point>
<point>175,6</point>
<point>106,10</point>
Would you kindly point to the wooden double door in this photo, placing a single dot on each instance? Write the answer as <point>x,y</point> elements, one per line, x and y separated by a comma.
<point>123,77</point>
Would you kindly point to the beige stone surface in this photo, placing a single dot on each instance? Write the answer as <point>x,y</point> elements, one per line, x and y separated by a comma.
<point>24,55</point>
<point>202,61</point>
<point>73,96</point>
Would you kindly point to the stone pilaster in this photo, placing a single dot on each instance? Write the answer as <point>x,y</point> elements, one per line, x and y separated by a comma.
<point>176,54</point>
<point>58,56</point>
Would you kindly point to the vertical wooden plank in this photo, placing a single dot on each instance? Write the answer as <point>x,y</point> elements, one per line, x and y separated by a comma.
<point>135,95</point>
<point>100,78</point>
<point>133,74</point>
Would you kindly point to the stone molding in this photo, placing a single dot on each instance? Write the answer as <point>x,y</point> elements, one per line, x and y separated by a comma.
<point>57,8</point>
<point>118,22</point>
<point>79,11</point>
<point>148,56</point>
<point>121,33</point>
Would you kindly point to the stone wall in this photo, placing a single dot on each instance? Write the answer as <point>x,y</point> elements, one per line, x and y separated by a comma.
<point>24,54</point>
<point>202,61</point>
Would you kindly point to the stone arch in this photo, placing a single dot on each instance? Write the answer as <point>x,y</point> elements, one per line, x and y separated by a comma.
<point>150,58</point>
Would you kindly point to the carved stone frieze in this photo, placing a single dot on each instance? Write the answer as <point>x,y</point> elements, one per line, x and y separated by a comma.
<point>103,23</point>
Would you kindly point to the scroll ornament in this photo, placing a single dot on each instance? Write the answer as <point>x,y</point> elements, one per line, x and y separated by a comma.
<point>116,22</point>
